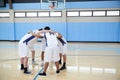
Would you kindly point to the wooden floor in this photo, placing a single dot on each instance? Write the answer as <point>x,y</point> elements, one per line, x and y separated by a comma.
<point>85,61</point>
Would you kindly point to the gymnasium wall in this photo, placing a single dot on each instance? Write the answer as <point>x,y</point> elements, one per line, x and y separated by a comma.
<point>95,29</point>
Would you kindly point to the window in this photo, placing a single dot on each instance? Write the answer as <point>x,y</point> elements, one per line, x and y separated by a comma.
<point>43,14</point>
<point>98,13</point>
<point>56,14</point>
<point>113,13</point>
<point>73,13</point>
<point>20,14</point>
<point>31,14</point>
<point>85,13</point>
<point>5,14</point>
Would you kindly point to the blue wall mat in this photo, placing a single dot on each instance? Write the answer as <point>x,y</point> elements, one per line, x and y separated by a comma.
<point>93,31</point>
<point>22,28</point>
<point>6,31</point>
<point>119,32</point>
<point>74,31</point>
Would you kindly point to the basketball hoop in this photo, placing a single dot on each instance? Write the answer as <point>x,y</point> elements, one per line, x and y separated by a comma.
<point>52,4</point>
<point>51,7</point>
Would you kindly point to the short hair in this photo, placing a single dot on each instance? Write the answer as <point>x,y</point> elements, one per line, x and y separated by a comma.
<point>47,28</point>
<point>40,29</point>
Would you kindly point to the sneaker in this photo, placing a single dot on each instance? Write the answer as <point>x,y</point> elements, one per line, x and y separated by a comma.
<point>27,72</point>
<point>62,68</point>
<point>58,71</point>
<point>60,62</point>
<point>42,74</point>
<point>21,68</point>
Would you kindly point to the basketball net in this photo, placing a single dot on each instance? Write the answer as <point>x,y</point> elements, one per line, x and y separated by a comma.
<point>51,7</point>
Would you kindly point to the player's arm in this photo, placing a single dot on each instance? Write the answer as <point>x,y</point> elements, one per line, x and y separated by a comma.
<point>44,31</point>
<point>37,35</point>
<point>40,33</point>
<point>59,35</point>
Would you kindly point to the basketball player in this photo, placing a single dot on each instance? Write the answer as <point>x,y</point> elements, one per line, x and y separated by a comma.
<point>26,44</point>
<point>43,45</point>
<point>32,50</point>
<point>63,51</point>
<point>62,47</point>
<point>51,51</point>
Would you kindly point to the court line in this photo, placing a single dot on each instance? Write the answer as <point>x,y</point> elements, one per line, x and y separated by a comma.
<point>38,73</point>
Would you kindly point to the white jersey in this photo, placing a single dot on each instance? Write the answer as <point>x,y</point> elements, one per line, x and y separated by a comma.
<point>34,40</point>
<point>50,39</point>
<point>62,41</point>
<point>62,45</point>
<point>29,39</point>
<point>43,44</point>
<point>26,43</point>
<point>35,31</point>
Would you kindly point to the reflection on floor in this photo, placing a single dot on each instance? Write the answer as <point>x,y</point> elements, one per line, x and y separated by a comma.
<point>85,61</point>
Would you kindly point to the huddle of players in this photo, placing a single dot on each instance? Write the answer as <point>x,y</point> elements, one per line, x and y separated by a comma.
<point>53,47</point>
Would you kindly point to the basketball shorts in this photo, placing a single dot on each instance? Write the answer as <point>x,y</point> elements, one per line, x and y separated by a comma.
<point>63,49</point>
<point>23,50</point>
<point>31,47</point>
<point>51,54</point>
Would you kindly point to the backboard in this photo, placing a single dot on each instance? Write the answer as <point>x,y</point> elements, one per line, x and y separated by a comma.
<point>53,4</point>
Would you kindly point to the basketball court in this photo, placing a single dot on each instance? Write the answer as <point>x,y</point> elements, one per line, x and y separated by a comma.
<point>85,61</point>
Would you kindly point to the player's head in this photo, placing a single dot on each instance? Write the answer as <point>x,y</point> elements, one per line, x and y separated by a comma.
<point>40,29</point>
<point>47,28</point>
